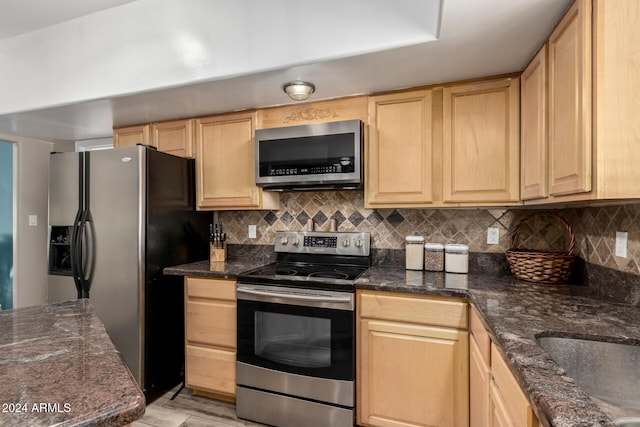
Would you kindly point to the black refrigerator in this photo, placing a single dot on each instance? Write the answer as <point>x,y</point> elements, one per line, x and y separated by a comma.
<point>116,219</point>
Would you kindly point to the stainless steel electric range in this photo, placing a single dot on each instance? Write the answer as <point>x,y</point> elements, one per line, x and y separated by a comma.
<point>296,324</point>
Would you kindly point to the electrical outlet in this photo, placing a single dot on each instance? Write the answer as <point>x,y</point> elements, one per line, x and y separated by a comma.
<point>621,244</point>
<point>252,232</point>
<point>493,236</point>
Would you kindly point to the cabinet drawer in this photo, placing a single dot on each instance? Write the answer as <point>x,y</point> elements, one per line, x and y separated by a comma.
<point>211,322</point>
<point>414,309</point>
<point>211,288</point>
<point>211,370</point>
<point>515,402</point>
<point>480,334</point>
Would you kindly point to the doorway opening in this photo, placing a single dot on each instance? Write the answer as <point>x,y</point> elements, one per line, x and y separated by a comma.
<point>6,224</point>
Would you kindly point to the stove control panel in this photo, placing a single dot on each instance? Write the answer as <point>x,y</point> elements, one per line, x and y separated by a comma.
<point>321,241</point>
<point>318,242</point>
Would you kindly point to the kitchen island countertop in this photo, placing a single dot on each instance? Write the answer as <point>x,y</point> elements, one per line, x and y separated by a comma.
<point>59,367</point>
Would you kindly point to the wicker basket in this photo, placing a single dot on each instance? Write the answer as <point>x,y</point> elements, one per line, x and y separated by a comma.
<point>541,266</point>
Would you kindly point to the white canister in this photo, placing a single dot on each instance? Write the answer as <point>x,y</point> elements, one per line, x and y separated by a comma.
<point>415,252</point>
<point>456,258</point>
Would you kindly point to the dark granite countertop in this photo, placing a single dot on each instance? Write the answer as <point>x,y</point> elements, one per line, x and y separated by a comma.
<point>59,367</point>
<point>517,312</point>
<point>222,270</point>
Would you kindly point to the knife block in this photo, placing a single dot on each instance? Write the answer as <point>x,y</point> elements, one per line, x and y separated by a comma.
<point>216,255</point>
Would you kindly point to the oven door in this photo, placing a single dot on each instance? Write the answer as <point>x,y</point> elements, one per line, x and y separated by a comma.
<point>298,331</point>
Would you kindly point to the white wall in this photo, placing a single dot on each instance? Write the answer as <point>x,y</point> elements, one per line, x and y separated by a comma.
<point>32,189</point>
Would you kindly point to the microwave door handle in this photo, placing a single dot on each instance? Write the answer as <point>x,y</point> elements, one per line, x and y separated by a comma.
<point>292,296</point>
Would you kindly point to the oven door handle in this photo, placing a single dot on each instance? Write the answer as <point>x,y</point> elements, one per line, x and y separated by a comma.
<point>293,296</point>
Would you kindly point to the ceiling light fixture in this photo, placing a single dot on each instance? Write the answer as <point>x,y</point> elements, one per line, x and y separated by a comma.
<point>299,90</point>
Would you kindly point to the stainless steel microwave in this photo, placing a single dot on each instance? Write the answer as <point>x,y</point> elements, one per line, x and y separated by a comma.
<point>319,156</point>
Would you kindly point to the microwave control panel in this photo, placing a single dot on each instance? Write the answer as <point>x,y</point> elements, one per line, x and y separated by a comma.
<point>308,170</point>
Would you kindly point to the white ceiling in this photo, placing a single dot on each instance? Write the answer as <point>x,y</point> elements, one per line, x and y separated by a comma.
<point>23,16</point>
<point>367,47</point>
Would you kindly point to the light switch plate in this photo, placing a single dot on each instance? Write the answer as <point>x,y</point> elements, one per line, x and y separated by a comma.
<point>621,244</point>
<point>33,220</point>
<point>252,232</point>
<point>493,236</point>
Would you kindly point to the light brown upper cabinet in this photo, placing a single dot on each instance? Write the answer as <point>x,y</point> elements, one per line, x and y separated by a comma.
<point>481,141</point>
<point>174,137</point>
<point>131,135</point>
<point>225,165</point>
<point>400,150</point>
<point>593,104</point>
<point>456,145</point>
<point>570,102</point>
<point>533,129</point>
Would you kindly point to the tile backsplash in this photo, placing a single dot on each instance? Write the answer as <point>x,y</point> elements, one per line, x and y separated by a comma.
<point>594,227</point>
<point>388,227</point>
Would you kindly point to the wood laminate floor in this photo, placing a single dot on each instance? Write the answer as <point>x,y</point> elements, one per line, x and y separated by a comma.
<point>187,410</point>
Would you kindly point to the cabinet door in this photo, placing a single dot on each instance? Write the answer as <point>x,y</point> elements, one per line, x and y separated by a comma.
<point>174,137</point>
<point>481,142</point>
<point>400,150</point>
<point>533,129</point>
<point>479,381</point>
<point>130,136</point>
<point>508,392</point>
<point>499,415</point>
<point>225,164</point>
<point>570,148</point>
<point>412,375</point>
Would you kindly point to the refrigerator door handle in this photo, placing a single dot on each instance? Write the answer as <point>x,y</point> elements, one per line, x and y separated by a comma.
<point>74,253</point>
<point>83,248</point>
<point>83,244</point>
<point>76,249</point>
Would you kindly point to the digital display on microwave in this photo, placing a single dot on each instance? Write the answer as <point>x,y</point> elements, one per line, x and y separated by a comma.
<point>313,155</point>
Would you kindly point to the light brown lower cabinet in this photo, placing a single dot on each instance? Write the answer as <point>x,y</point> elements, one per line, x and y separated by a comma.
<point>412,361</point>
<point>495,397</point>
<point>479,383</point>
<point>509,405</point>
<point>210,336</point>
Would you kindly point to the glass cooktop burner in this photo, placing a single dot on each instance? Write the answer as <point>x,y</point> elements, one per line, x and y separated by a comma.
<point>286,272</point>
<point>302,271</point>
<point>329,274</point>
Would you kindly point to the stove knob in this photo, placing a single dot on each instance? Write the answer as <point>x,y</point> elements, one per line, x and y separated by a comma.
<point>345,243</point>
<point>296,242</point>
<point>284,241</point>
<point>358,243</point>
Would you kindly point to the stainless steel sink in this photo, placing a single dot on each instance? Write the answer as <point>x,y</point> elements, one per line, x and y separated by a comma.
<point>608,372</point>
<point>627,422</point>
